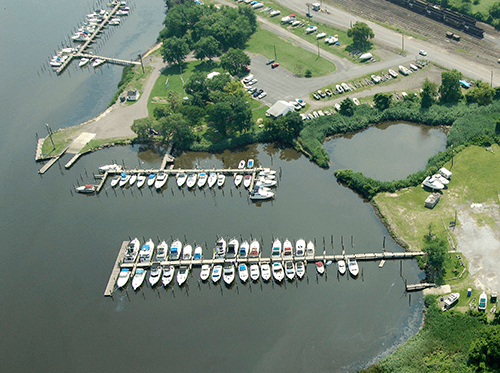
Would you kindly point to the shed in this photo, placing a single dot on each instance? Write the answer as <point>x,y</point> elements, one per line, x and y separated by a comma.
<point>133,95</point>
<point>445,173</point>
<point>432,200</point>
<point>280,108</point>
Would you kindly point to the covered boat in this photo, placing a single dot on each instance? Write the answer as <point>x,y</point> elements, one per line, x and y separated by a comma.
<point>254,272</point>
<point>161,180</point>
<point>155,274</point>
<point>216,273</point>
<point>168,275</point>
<point>265,271</point>
<point>352,264</point>
<point>243,272</point>
<point>123,277</point>
<point>138,279</point>
<point>300,269</point>
<point>182,275</point>
<point>278,273</point>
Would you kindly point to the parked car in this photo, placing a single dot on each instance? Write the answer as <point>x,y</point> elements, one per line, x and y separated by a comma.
<point>297,106</point>
<point>252,90</point>
<point>321,114</point>
<point>269,62</point>
<point>315,114</point>
<point>316,96</point>
<point>252,82</point>
<point>258,92</point>
<point>321,94</point>
<point>275,65</point>
<point>247,68</point>
<point>262,95</point>
<point>328,92</point>
<point>300,102</point>
<point>422,52</point>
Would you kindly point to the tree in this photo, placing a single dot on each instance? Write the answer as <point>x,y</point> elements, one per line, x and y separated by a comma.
<point>142,127</point>
<point>196,86</point>
<point>436,250</point>
<point>174,50</point>
<point>193,114</point>
<point>484,351</point>
<point>234,61</point>
<point>308,73</point>
<point>428,94</point>
<point>347,107</point>
<point>206,47</point>
<point>218,82</point>
<point>218,114</point>
<point>481,94</point>
<point>497,127</point>
<point>450,89</point>
<point>177,128</point>
<point>360,33</point>
<point>382,100</point>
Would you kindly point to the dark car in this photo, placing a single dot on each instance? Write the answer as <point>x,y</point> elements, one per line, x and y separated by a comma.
<point>269,62</point>
<point>257,92</point>
<point>316,96</point>
<point>275,65</point>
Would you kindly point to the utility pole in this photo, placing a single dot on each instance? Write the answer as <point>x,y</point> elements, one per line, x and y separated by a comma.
<point>491,84</point>
<point>50,136</point>
<point>402,42</point>
<point>140,58</point>
<point>275,57</point>
<point>318,47</point>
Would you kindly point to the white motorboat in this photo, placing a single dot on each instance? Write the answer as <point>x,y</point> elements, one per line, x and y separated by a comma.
<point>287,249</point>
<point>300,247</point>
<point>132,180</point>
<point>123,277</point>
<point>483,302</point>
<point>205,272</point>
<point>320,35</point>
<point>228,273</point>
<point>352,264</point>
<point>86,189</point>
<point>115,181</point>
<point>289,270</point>
<point>254,249</point>
<point>341,266</point>
<point>264,182</point>
<point>161,180</point>
<point>187,252</point>
<point>138,279</point>
<point>300,269</point>
<point>243,272</point>
<point>155,274</point>
<point>151,180</point>
<point>232,248</point>
<point>161,251</point>
<point>202,179</point>
<point>310,250</point>
<point>198,253</point>
<point>320,267</point>
<point>191,179</point>
<point>268,174</point>
<point>265,271</point>
<point>168,275</point>
<point>181,179</point>
<point>244,249</point>
<point>83,61</point>
<point>98,62</point>
<point>278,273</point>
<point>260,193</point>
<point>450,301</point>
<point>254,272</point>
<point>238,178</point>
<point>432,183</point>
<point>247,181</point>
<point>221,178</point>
<point>220,248</point>
<point>132,251</point>
<point>441,179</point>
<point>182,275</point>
<point>124,179</point>
<point>216,273</point>
<point>146,252</point>
<point>241,164</point>
<point>212,179</point>
<point>175,250</point>
<point>276,250</point>
<point>250,163</point>
<point>141,180</point>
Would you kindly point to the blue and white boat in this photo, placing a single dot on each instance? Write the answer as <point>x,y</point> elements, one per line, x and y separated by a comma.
<point>138,279</point>
<point>124,179</point>
<point>216,273</point>
<point>123,277</point>
<point>151,180</point>
<point>198,253</point>
<point>276,250</point>
<point>175,250</point>
<point>250,163</point>
<point>146,252</point>
<point>243,272</point>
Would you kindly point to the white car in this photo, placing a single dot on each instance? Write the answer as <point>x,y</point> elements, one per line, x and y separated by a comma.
<point>252,82</point>
<point>262,95</point>
<point>422,52</point>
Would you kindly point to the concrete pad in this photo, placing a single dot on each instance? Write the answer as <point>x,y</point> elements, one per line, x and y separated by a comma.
<point>445,289</point>
<point>80,142</point>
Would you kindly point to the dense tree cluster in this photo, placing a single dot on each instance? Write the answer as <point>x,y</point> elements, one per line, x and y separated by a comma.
<point>360,32</point>
<point>284,129</point>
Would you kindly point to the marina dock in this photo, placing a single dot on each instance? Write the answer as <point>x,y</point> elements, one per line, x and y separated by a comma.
<point>417,287</point>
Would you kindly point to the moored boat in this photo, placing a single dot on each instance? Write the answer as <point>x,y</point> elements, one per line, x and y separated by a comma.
<point>300,269</point>
<point>300,247</point>
<point>98,62</point>
<point>168,275</point>
<point>151,180</point>
<point>161,251</point>
<point>232,248</point>
<point>276,250</point>
<point>247,181</point>
<point>141,180</point>
<point>83,61</point>
<point>212,179</point>
<point>287,249</point>
<point>202,179</point>
<point>265,271</point>
<point>198,253</point>
<point>115,181</point>
<point>310,250</point>
<point>254,272</point>
<point>278,273</point>
<point>123,179</point>
<point>146,252</point>
<point>352,264</point>
<point>216,273</point>
<point>260,193</point>
<point>138,279</point>
<point>221,178</point>
<point>244,249</point>
<point>132,180</point>
<point>228,273</point>
<point>254,249</point>
<point>132,251</point>
<point>220,248</point>
<point>205,272</point>
<point>181,179</point>
<point>123,277</point>
<point>187,252</point>
<point>250,163</point>
<point>161,180</point>
<point>155,274</point>
<point>289,270</point>
<point>191,179</point>
<point>243,272</point>
<point>182,275</point>
<point>241,164</point>
<point>175,250</point>
<point>86,189</point>
<point>238,178</point>
<point>320,267</point>
<point>341,266</point>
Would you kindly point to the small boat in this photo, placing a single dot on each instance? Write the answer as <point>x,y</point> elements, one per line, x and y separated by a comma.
<point>441,179</point>
<point>110,167</point>
<point>265,271</point>
<point>320,267</point>
<point>243,272</point>
<point>247,180</point>
<point>212,179</point>
<point>123,179</point>
<point>220,248</point>
<point>202,180</point>
<point>151,180</point>
<point>221,178</point>
<point>250,163</point>
<point>238,178</point>
<point>232,248</point>
<point>228,273</point>
<point>300,269</point>
<point>352,264</point>
<point>191,179</point>
<point>155,274</point>
<point>300,247</point>
<point>205,272</point>
<point>161,251</point>
<point>310,250</point>
<point>98,62</point>
<point>146,252</point>
<point>123,277</point>
<point>187,252</point>
<point>198,253</point>
<point>276,250</point>
<point>432,183</point>
<point>175,250</point>
<point>216,273</point>
<point>483,302</point>
<point>86,189</point>
<point>268,174</point>
<point>244,249</point>
<point>254,272</point>
<point>320,35</point>
<point>168,275</point>
<point>450,301</point>
<point>161,180</point>
<point>261,193</point>
<point>132,251</point>
<point>182,275</point>
<point>289,270</point>
<point>141,180</point>
<point>264,182</point>
<point>241,164</point>
<point>278,273</point>
<point>356,101</point>
<point>138,279</point>
<point>254,249</point>
<point>287,249</point>
<point>132,180</point>
<point>83,61</point>
<point>341,266</point>
<point>115,181</point>
<point>181,179</point>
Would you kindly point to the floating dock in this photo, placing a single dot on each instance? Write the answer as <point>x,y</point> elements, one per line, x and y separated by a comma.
<point>417,287</point>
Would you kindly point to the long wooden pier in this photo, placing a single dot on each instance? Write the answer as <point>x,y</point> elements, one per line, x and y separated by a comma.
<point>116,270</point>
<point>49,164</point>
<point>116,61</point>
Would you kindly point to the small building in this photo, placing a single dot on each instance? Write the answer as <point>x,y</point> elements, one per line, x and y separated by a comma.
<point>432,200</point>
<point>133,95</point>
<point>445,173</point>
<point>279,109</point>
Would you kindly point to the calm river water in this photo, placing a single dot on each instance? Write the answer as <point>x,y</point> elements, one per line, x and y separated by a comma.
<point>58,249</point>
